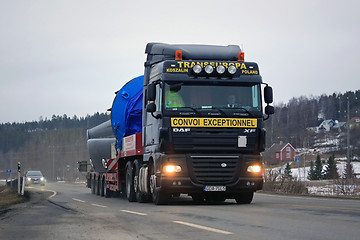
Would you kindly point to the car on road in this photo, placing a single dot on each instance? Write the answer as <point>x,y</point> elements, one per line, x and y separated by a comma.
<point>34,177</point>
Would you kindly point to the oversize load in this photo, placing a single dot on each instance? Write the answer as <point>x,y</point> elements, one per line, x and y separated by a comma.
<point>214,122</point>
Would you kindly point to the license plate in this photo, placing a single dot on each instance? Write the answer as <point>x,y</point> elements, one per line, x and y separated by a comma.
<point>215,188</point>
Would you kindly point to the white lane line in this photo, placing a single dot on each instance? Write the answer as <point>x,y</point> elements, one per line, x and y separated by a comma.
<point>203,227</point>
<point>78,200</point>
<point>137,213</point>
<point>97,205</point>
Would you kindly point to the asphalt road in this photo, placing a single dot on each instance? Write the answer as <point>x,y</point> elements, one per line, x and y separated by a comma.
<point>69,211</point>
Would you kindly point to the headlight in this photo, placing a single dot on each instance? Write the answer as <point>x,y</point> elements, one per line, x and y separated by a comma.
<point>209,69</point>
<point>232,69</point>
<point>197,68</point>
<point>254,169</point>
<point>42,179</point>
<point>220,69</point>
<point>172,168</point>
<point>29,179</point>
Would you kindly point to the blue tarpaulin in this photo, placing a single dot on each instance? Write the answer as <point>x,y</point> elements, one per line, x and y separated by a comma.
<point>126,112</point>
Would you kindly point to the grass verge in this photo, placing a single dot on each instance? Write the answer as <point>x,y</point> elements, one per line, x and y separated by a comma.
<point>9,197</point>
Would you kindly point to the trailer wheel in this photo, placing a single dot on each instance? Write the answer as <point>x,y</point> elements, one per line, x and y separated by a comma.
<point>92,185</point>
<point>102,187</point>
<point>140,197</point>
<point>108,193</point>
<point>98,186</point>
<point>130,191</point>
<point>244,198</point>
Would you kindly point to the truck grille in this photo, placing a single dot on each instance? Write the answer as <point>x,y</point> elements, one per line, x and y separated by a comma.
<point>214,169</point>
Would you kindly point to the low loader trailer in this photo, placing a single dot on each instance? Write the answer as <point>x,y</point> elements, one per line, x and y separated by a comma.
<point>192,124</point>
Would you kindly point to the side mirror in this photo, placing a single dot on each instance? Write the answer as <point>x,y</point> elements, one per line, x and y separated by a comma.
<point>151,92</point>
<point>151,107</point>
<point>269,110</point>
<point>268,94</point>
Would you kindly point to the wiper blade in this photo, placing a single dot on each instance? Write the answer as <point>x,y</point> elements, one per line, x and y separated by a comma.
<point>194,109</point>
<point>244,109</point>
<point>220,110</point>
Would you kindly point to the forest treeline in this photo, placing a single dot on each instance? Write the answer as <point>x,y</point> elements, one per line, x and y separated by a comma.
<point>55,145</point>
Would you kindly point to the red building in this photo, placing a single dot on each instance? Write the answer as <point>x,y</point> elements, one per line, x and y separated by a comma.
<point>281,152</point>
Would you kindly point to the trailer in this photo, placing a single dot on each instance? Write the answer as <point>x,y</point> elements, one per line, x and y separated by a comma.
<point>192,124</point>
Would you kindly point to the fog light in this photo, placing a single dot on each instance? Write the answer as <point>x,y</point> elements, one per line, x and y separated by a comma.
<point>197,68</point>
<point>220,69</point>
<point>254,169</point>
<point>209,69</point>
<point>172,168</point>
<point>232,69</point>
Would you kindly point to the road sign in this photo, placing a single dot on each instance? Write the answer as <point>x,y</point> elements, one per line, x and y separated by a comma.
<point>8,171</point>
<point>67,166</point>
<point>297,160</point>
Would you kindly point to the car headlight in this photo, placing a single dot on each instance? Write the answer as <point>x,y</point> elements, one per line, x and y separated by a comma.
<point>29,179</point>
<point>42,179</point>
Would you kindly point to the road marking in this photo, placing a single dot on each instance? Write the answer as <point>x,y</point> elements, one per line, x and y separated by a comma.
<point>53,195</point>
<point>203,227</point>
<point>311,206</point>
<point>97,205</point>
<point>137,213</point>
<point>78,200</point>
<point>43,190</point>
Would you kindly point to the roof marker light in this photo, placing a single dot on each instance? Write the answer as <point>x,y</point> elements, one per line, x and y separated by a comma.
<point>178,55</point>
<point>241,56</point>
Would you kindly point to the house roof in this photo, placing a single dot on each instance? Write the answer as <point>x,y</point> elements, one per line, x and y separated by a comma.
<point>278,147</point>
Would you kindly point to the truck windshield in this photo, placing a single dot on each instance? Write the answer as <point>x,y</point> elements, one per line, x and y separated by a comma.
<point>180,95</point>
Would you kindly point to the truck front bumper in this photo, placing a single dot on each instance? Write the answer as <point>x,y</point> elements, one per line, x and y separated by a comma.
<point>185,185</point>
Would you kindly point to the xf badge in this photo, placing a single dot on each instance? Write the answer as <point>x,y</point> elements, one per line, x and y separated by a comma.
<point>249,130</point>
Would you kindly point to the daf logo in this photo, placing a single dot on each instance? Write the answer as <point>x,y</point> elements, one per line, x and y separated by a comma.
<point>223,165</point>
<point>182,130</point>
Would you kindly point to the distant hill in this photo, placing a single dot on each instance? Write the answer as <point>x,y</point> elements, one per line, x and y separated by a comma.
<point>291,121</point>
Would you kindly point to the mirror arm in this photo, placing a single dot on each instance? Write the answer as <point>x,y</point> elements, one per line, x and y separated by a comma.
<point>157,116</point>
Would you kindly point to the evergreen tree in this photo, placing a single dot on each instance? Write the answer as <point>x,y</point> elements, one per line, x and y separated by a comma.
<point>311,175</point>
<point>349,171</point>
<point>331,171</point>
<point>318,174</point>
<point>287,172</point>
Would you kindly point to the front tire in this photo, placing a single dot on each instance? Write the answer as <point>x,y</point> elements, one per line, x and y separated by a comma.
<point>244,198</point>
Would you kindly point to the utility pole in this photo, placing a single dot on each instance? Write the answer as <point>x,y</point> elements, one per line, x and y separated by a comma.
<point>348,132</point>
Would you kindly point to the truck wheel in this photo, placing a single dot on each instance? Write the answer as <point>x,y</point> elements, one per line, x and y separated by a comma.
<point>93,186</point>
<point>140,197</point>
<point>244,198</point>
<point>130,191</point>
<point>158,197</point>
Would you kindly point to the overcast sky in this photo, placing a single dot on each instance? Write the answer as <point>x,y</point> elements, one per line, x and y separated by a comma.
<point>70,56</point>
